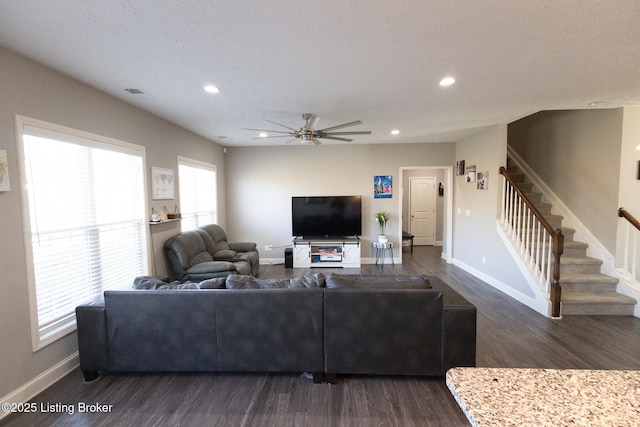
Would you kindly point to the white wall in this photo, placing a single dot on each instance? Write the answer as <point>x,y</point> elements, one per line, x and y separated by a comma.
<point>32,90</point>
<point>261,182</point>
<point>477,247</point>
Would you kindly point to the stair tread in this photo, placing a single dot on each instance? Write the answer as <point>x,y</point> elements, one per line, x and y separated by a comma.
<point>579,260</point>
<point>587,278</point>
<point>578,297</point>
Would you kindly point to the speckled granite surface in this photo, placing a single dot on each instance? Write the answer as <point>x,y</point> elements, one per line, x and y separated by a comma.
<point>546,397</point>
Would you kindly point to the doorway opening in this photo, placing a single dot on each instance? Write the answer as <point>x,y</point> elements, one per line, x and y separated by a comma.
<point>426,206</point>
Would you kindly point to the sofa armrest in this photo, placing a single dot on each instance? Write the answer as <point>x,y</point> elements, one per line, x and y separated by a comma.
<point>243,247</point>
<point>93,346</point>
<point>458,336</point>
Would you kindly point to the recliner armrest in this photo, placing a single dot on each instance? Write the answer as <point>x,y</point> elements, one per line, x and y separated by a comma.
<point>243,246</point>
<point>92,339</point>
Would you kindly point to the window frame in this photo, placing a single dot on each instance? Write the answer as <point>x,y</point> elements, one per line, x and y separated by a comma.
<point>198,164</point>
<point>29,126</point>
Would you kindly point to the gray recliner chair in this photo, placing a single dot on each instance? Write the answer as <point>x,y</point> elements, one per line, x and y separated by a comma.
<point>204,253</point>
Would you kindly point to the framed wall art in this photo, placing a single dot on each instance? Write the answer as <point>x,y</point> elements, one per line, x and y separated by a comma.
<point>382,186</point>
<point>162,184</point>
<point>4,172</point>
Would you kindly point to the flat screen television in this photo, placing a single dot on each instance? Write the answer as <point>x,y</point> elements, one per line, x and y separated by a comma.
<point>326,216</point>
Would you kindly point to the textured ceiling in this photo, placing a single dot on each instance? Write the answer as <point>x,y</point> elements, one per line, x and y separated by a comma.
<point>378,61</point>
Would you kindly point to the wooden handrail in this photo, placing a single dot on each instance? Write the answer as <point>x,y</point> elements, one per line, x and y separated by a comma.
<point>530,205</point>
<point>555,294</point>
<point>622,213</point>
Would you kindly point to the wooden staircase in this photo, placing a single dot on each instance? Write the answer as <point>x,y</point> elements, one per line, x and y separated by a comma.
<point>585,290</point>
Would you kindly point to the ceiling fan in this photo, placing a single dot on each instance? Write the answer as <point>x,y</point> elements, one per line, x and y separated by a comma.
<point>307,133</point>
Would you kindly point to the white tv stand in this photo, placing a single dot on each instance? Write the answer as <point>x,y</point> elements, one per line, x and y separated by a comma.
<point>326,252</point>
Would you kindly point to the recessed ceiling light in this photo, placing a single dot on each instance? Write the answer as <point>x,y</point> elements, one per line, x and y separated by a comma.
<point>395,132</point>
<point>263,134</point>
<point>447,81</point>
<point>596,103</point>
<point>638,147</point>
<point>212,89</point>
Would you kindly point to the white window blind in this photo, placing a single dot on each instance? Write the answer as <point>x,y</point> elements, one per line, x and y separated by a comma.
<point>198,193</point>
<point>86,214</point>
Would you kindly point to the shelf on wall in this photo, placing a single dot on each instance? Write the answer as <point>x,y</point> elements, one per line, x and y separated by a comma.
<point>164,221</point>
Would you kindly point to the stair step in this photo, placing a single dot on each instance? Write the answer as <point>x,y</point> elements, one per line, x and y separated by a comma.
<point>585,290</point>
<point>544,208</point>
<point>534,197</point>
<point>526,187</point>
<point>578,282</point>
<point>579,265</point>
<point>597,303</point>
<point>573,249</point>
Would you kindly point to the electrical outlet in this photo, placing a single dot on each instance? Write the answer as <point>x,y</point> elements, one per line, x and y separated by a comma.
<point>268,247</point>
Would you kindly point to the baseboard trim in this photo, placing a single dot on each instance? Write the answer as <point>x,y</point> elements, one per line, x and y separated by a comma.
<point>540,306</point>
<point>41,382</point>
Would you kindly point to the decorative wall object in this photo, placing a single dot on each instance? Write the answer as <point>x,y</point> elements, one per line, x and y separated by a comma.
<point>460,167</point>
<point>162,184</point>
<point>4,172</point>
<point>382,186</point>
<point>483,180</point>
<point>470,173</point>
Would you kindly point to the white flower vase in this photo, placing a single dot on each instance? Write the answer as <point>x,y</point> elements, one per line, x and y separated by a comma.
<point>382,238</point>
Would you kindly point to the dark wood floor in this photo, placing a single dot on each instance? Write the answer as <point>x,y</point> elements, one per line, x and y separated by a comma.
<point>509,335</point>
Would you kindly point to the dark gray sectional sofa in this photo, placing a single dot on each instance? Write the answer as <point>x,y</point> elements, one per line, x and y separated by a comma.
<point>341,325</point>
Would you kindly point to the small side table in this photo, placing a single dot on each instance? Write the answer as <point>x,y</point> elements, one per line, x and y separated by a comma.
<point>381,251</point>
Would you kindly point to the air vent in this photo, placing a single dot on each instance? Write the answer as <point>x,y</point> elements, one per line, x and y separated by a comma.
<point>135,91</point>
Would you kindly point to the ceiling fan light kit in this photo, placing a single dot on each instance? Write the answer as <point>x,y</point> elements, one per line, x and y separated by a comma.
<point>308,134</point>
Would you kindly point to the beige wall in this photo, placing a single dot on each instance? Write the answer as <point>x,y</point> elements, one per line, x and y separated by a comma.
<point>476,244</point>
<point>261,182</point>
<point>577,154</point>
<point>629,195</point>
<point>32,90</point>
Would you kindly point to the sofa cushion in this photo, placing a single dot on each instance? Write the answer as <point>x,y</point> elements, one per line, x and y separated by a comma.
<point>249,282</point>
<point>211,267</point>
<point>201,257</point>
<point>148,282</point>
<point>335,281</point>
<point>177,285</point>
<point>215,283</point>
<point>225,254</point>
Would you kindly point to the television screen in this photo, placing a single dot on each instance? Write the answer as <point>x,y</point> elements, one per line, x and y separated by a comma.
<point>326,216</point>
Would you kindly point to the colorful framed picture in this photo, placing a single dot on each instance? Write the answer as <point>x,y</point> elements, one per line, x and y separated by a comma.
<point>382,186</point>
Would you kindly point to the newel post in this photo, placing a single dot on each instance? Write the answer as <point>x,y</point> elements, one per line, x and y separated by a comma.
<point>556,290</point>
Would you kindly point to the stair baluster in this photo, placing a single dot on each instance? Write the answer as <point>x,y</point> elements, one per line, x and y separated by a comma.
<point>632,236</point>
<point>535,237</point>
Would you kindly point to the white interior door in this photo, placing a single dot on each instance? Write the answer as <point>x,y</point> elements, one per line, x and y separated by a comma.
<point>422,208</point>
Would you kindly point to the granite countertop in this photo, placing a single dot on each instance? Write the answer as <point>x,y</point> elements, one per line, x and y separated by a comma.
<point>546,397</point>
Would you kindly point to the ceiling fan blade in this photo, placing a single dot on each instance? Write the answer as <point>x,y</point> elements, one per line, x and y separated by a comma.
<point>344,125</point>
<point>267,130</point>
<point>291,140</point>
<point>335,138</point>
<point>316,141</point>
<point>275,123</point>
<point>274,136</point>
<point>313,121</point>
<point>363,132</point>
